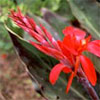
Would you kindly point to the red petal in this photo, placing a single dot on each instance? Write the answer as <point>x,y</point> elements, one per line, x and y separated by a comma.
<point>94,47</point>
<point>32,22</point>
<point>69,82</point>
<point>89,69</point>
<point>70,44</point>
<point>66,52</point>
<point>55,53</point>
<point>49,36</point>
<point>67,70</point>
<point>80,34</point>
<point>26,21</point>
<point>55,72</point>
<point>77,64</point>
<point>38,46</point>
<point>47,50</point>
<point>38,37</point>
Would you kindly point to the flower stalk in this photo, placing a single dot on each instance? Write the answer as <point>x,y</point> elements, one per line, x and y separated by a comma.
<point>87,86</point>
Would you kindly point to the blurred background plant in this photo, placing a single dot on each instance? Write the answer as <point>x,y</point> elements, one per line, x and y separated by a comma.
<point>5,6</point>
<point>54,15</point>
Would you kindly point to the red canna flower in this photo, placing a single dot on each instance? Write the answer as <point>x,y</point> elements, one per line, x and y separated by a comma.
<point>76,44</point>
<point>68,52</point>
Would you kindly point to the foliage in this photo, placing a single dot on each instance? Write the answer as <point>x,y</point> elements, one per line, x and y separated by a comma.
<point>5,6</point>
<point>34,6</point>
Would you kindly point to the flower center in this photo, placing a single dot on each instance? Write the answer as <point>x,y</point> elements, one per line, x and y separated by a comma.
<point>83,42</point>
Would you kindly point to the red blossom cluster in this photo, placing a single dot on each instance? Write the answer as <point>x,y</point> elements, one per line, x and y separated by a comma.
<point>69,51</point>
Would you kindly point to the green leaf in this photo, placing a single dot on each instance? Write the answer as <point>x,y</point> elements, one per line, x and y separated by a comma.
<point>87,13</point>
<point>38,66</point>
<point>65,11</point>
<point>5,42</point>
<point>56,21</point>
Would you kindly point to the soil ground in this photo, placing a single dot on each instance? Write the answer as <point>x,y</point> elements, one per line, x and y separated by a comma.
<point>15,83</point>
